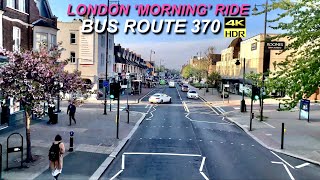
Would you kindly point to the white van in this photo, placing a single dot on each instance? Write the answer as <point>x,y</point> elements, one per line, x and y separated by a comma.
<point>171,84</point>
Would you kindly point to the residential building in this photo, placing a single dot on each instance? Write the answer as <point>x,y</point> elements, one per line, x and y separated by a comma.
<point>87,53</point>
<point>24,25</point>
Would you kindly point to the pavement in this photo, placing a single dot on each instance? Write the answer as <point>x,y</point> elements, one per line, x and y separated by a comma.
<point>132,99</point>
<point>189,139</point>
<point>94,140</point>
<point>300,137</point>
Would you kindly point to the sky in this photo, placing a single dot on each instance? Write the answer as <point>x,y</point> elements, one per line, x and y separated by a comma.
<point>173,50</point>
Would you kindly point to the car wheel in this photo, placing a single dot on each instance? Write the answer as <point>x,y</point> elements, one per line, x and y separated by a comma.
<point>161,101</point>
<point>170,101</point>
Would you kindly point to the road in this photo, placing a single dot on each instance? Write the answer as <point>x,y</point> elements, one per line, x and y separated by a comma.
<point>189,140</point>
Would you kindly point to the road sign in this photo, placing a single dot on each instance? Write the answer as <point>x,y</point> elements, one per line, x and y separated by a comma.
<point>124,86</point>
<point>105,83</point>
<point>226,85</point>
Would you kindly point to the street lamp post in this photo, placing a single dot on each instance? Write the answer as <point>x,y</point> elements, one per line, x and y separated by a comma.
<point>243,107</point>
<point>255,9</point>
<point>107,60</point>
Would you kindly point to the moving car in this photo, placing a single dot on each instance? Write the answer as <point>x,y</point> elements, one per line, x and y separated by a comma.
<point>184,88</point>
<point>192,94</point>
<point>162,82</point>
<point>171,84</point>
<point>160,98</point>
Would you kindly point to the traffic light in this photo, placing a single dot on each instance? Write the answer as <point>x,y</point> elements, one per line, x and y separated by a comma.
<point>255,92</point>
<point>114,90</point>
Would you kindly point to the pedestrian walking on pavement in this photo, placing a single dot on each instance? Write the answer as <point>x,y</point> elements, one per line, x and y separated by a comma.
<point>56,152</point>
<point>71,111</point>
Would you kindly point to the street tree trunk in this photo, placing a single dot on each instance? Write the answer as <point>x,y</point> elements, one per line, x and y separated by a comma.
<point>28,136</point>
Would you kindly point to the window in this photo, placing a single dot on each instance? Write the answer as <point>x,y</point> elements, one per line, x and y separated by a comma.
<point>103,59</point>
<point>53,41</point>
<point>41,40</point>
<point>72,57</point>
<point>11,3</point>
<point>72,38</point>
<point>22,5</point>
<point>103,40</point>
<point>16,38</point>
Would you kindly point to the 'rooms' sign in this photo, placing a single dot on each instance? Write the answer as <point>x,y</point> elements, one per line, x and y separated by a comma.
<point>276,45</point>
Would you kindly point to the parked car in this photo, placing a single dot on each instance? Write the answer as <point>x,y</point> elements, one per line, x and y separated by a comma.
<point>192,94</point>
<point>160,98</point>
<point>172,84</point>
<point>184,88</point>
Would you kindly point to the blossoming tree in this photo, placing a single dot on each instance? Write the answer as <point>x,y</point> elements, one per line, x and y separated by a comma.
<point>31,77</point>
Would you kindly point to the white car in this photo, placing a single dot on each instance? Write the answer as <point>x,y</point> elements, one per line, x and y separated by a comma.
<point>192,94</point>
<point>160,98</point>
<point>171,84</point>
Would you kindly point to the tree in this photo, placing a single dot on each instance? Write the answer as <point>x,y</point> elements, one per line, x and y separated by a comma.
<point>299,73</point>
<point>214,78</point>
<point>30,77</point>
<point>186,71</point>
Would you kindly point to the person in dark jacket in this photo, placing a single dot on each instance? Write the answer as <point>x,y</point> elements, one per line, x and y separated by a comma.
<point>71,111</point>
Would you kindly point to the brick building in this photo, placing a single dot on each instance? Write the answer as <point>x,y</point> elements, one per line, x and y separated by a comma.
<point>25,24</point>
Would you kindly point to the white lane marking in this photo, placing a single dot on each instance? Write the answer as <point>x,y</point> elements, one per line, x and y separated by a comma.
<point>268,134</point>
<point>122,165</point>
<point>268,124</point>
<point>236,108</point>
<point>282,160</point>
<point>288,171</point>
<point>179,94</point>
<point>302,165</point>
<point>149,108</point>
<point>286,167</point>
<point>212,122</point>
<point>202,163</point>
<point>148,119</point>
<point>204,176</point>
<point>220,109</point>
<point>163,154</point>
<point>147,94</point>
<point>118,173</point>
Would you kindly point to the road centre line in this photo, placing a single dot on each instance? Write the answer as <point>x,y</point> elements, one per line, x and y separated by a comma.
<point>302,165</point>
<point>268,124</point>
<point>282,159</point>
<point>185,107</point>
<point>162,154</point>
<point>178,94</point>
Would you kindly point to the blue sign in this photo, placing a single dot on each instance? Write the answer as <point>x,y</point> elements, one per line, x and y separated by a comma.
<point>304,109</point>
<point>105,84</point>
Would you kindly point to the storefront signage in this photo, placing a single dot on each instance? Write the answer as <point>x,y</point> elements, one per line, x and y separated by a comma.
<point>276,45</point>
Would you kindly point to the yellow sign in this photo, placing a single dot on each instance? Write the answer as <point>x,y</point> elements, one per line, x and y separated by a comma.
<point>234,27</point>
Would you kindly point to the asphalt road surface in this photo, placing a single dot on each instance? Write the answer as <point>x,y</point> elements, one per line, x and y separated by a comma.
<point>189,140</point>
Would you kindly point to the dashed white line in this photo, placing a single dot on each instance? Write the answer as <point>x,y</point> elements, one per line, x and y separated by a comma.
<point>202,163</point>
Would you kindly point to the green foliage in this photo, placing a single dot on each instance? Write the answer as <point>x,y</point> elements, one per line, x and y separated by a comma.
<point>214,78</point>
<point>186,71</point>
<point>299,74</point>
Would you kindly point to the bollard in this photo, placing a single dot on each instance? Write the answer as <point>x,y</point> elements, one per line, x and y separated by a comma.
<point>71,141</point>
<point>252,116</point>
<point>128,113</point>
<point>282,135</point>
